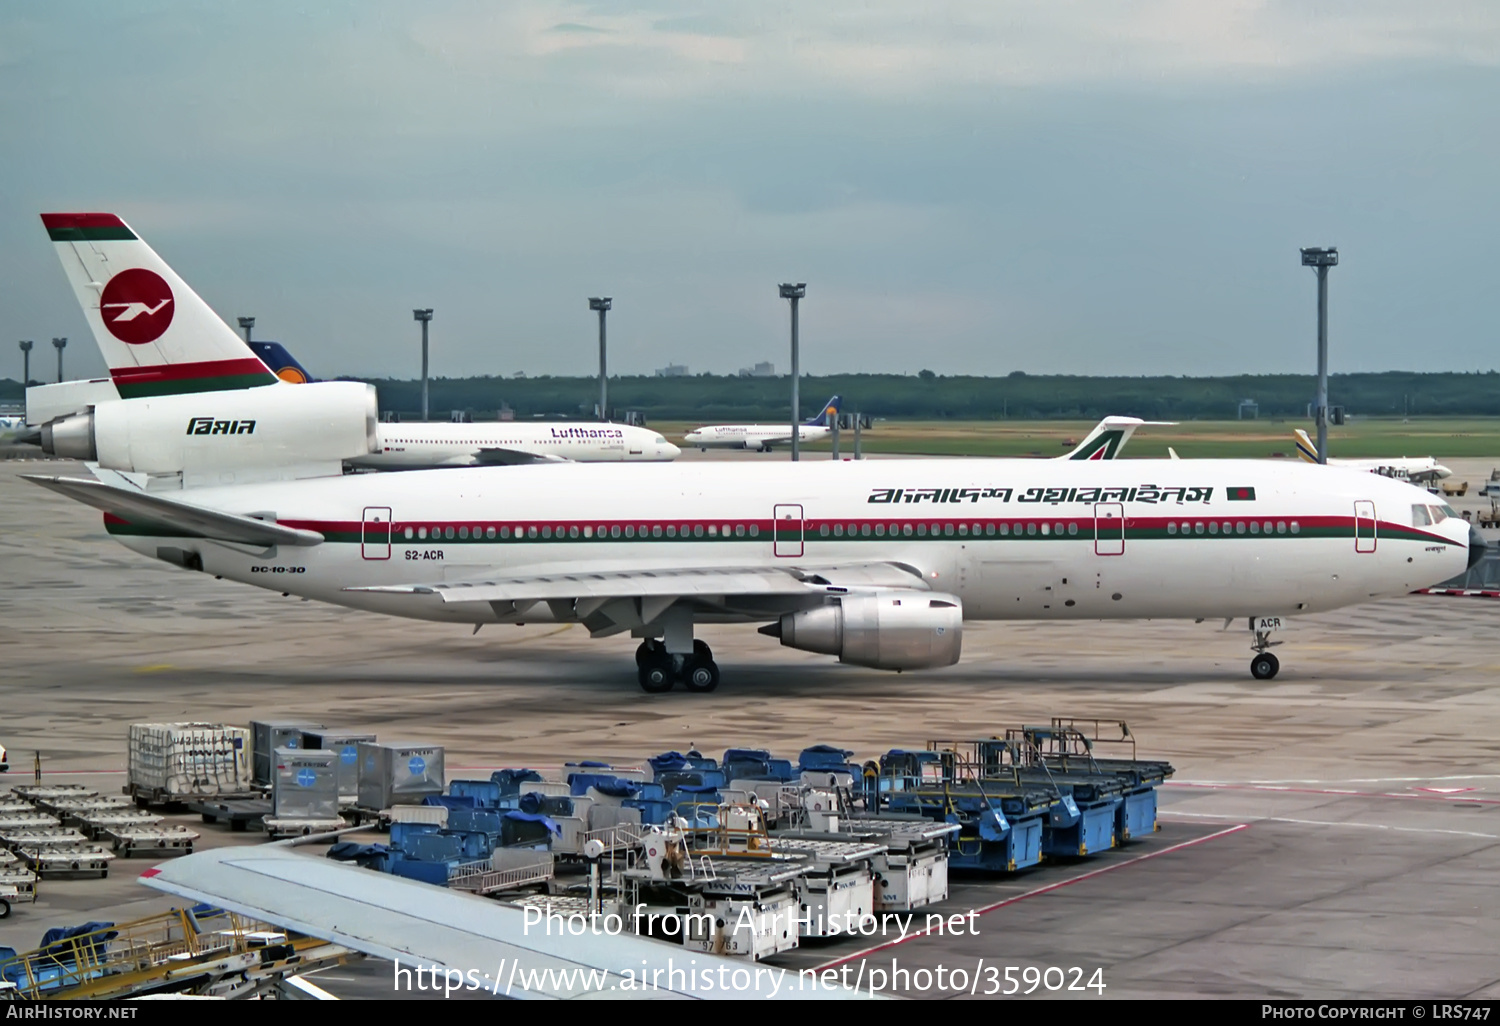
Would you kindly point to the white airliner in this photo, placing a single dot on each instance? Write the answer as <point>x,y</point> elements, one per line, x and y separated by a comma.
<point>167,350</point>
<point>876,562</point>
<point>762,437</point>
<point>1416,469</point>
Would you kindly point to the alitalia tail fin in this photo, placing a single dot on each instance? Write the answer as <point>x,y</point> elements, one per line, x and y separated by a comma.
<point>1108,438</point>
<point>157,336</point>
<point>1306,447</point>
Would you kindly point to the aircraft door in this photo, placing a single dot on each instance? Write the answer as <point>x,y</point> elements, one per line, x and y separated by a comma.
<point>786,530</point>
<point>375,533</point>
<point>1364,526</point>
<point>1109,529</point>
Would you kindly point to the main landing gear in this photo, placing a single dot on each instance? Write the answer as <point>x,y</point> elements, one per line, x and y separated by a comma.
<point>659,670</point>
<point>1265,665</point>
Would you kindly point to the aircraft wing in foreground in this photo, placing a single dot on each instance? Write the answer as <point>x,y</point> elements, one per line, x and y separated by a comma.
<point>486,943</point>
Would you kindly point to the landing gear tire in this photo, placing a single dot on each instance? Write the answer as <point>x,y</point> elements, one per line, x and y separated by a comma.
<point>4,909</point>
<point>700,673</point>
<point>656,677</point>
<point>1264,666</point>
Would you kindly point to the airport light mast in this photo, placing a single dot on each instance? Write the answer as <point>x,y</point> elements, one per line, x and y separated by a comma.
<point>26,362</point>
<point>246,323</point>
<point>795,293</point>
<point>602,306</point>
<point>1321,259</point>
<point>59,344</point>
<point>425,316</point>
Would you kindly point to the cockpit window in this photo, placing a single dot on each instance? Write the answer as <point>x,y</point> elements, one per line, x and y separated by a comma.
<point>1420,517</point>
<point>660,440</point>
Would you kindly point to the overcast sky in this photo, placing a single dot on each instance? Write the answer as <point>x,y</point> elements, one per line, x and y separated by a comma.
<point>1099,186</point>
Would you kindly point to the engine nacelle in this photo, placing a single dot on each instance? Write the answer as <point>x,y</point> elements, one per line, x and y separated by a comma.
<point>887,630</point>
<point>211,432</point>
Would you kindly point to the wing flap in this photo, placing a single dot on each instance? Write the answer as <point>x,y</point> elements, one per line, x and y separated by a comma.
<point>566,583</point>
<point>174,514</point>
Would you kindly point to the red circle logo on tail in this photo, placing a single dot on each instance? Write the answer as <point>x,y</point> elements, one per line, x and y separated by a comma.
<point>136,306</point>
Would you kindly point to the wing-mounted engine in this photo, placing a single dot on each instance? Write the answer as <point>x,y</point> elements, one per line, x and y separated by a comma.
<point>223,431</point>
<point>886,630</point>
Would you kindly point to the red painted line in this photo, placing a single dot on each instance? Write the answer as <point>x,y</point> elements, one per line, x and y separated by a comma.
<point>1318,790</point>
<point>1040,890</point>
<point>81,221</point>
<point>187,371</point>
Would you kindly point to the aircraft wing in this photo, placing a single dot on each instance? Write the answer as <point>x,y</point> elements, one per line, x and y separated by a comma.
<point>140,507</point>
<point>496,456</point>
<point>417,924</point>
<point>612,601</point>
<point>586,584</point>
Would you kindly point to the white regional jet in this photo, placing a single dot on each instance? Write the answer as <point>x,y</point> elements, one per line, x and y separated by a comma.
<point>762,436</point>
<point>878,563</point>
<point>1407,468</point>
<point>166,348</point>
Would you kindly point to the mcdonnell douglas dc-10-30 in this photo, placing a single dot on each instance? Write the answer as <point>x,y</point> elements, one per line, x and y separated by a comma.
<point>878,563</point>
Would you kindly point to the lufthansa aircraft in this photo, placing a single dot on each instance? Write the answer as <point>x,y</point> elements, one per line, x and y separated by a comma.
<point>762,436</point>
<point>163,343</point>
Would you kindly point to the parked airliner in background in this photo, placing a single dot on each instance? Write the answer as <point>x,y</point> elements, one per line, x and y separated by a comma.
<point>876,562</point>
<point>1416,469</point>
<point>180,379</point>
<point>762,437</point>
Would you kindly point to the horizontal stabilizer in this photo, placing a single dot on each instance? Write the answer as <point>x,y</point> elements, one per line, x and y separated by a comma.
<point>175,515</point>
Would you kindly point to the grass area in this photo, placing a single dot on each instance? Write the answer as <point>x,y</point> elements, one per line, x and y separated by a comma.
<point>1441,437</point>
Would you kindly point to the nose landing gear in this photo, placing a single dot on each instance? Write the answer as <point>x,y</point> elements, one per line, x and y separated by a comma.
<point>1265,665</point>
<point>659,670</point>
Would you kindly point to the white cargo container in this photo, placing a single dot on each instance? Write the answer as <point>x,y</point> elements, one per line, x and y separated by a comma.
<point>398,773</point>
<point>267,736</point>
<point>305,784</point>
<point>346,744</point>
<point>180,761</point>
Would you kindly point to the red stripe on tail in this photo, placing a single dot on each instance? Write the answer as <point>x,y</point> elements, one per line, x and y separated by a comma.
<point>81,221</point>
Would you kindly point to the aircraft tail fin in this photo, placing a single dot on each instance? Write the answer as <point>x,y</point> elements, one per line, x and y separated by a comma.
<point>824,416</point>
<point>281,363</point>
<point>157,336</point>
<point>1306,447</point>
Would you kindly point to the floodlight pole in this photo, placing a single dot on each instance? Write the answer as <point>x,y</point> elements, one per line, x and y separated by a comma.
<point>425,316</point>
<point>26,363</point>
<point>795,293</point>
<point>246,323</point>
<point>1321,259</point>
<point>60,344</point>
<point>602,305</point>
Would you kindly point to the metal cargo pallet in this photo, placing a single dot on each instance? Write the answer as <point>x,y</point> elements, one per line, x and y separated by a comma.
<point>69,809</point>
<point>90,858</point>
<point>40,837</point>
<point>98,823</point>
<point>144,839</point>
<point>291,827</point>
<point>17,887</point>
<point>38,792</point>
<point>239,813</point>
<point>144,796</point>
<point>13,804</point>
<point>22,820</point>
